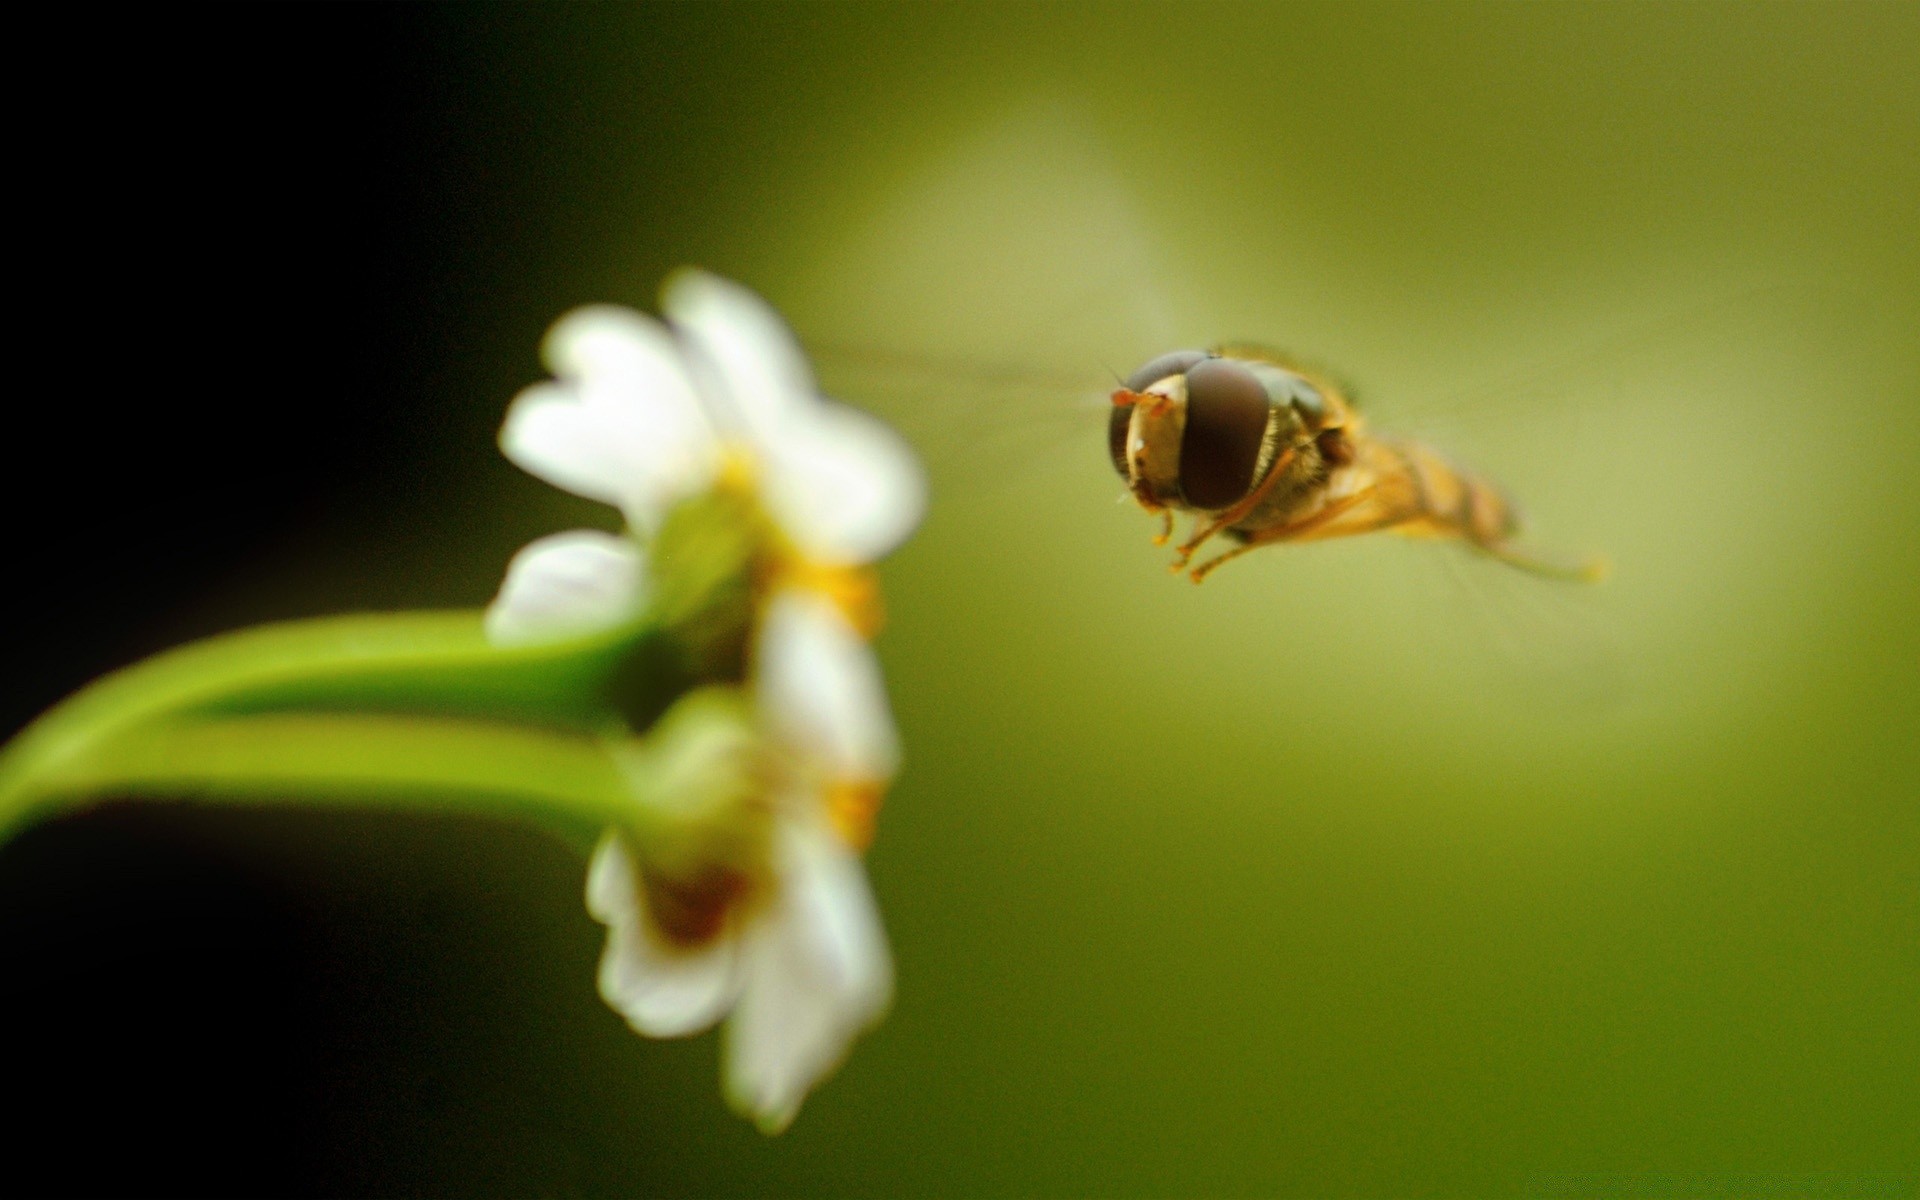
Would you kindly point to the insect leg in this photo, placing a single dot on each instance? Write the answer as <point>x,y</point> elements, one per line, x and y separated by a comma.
<point>1245,505</point>
<point>1306,525</point>
<point>1593,570</point>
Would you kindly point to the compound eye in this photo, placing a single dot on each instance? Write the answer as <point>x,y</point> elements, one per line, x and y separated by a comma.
<point>1226,423</point>
<point>1118,422</point>
<point>1176,363</point>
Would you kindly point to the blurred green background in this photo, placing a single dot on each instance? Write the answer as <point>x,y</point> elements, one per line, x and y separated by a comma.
<point>1361,871</point>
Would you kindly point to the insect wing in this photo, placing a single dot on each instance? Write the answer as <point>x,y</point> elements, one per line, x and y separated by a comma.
<point>980,425</point>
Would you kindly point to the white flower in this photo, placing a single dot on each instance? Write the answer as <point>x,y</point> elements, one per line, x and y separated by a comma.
<point>620,422</point>
<point>638,417</point>
<point>800,962</point>
<point>842,485</point>
<point>565,585</point>
<point>641,416</point>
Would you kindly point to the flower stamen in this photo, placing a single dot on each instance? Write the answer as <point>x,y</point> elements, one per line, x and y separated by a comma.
<point>739,470</point>
<point>855,591</point>
<point>853,806</point>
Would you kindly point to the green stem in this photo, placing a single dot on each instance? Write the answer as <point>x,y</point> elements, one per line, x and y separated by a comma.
<point>414,709</point>
<point>569,783</point>
<point>171,724</point>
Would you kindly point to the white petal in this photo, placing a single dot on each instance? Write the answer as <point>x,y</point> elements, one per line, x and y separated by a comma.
<point>622,425</point>
<point>661,991</point>
<point>844,486</point>
<point>550,434</point>
<point>605,341</point>
<point>567,585</point>
<point>817,974</point>
<point>820,690</point>
<point>757,366</point>
<point>584,440</point>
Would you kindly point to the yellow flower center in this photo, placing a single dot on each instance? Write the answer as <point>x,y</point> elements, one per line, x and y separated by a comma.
<point>853,590</point>
<point>853,805</point>
<point>739,471</point>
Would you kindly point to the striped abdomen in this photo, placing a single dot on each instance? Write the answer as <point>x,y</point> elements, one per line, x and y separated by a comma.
<point>1439,499</point>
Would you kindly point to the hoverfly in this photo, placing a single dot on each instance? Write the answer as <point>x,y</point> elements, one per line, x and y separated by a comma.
<point>1264,451</point>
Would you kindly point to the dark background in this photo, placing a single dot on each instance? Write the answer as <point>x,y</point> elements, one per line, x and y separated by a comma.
<point>239,306</point>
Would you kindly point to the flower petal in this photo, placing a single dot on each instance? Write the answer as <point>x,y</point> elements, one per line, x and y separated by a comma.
<point>622,425</point>
<point>567,585</point>
<point>606,341</point>
<point>844,486</point>
<point>820,689</point>
<point>549,434</point>
<point>661,991</point>
<point>757,367</point>
<point>817,973</point>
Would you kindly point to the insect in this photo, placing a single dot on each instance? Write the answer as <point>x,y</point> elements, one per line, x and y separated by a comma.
<point>1264,451</point>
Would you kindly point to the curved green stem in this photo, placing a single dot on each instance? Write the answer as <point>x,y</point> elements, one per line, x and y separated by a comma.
<point>416,708</point>
<point>567,782</point>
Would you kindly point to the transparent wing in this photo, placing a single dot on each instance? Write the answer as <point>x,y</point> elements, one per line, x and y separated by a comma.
<point>1664,434</point>
<point>980,426</point>
<point>987,300</point>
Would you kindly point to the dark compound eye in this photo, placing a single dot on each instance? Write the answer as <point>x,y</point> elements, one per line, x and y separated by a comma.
<point>1226,422</point>
<point>1117,424</point>
<point>1176,363</point>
